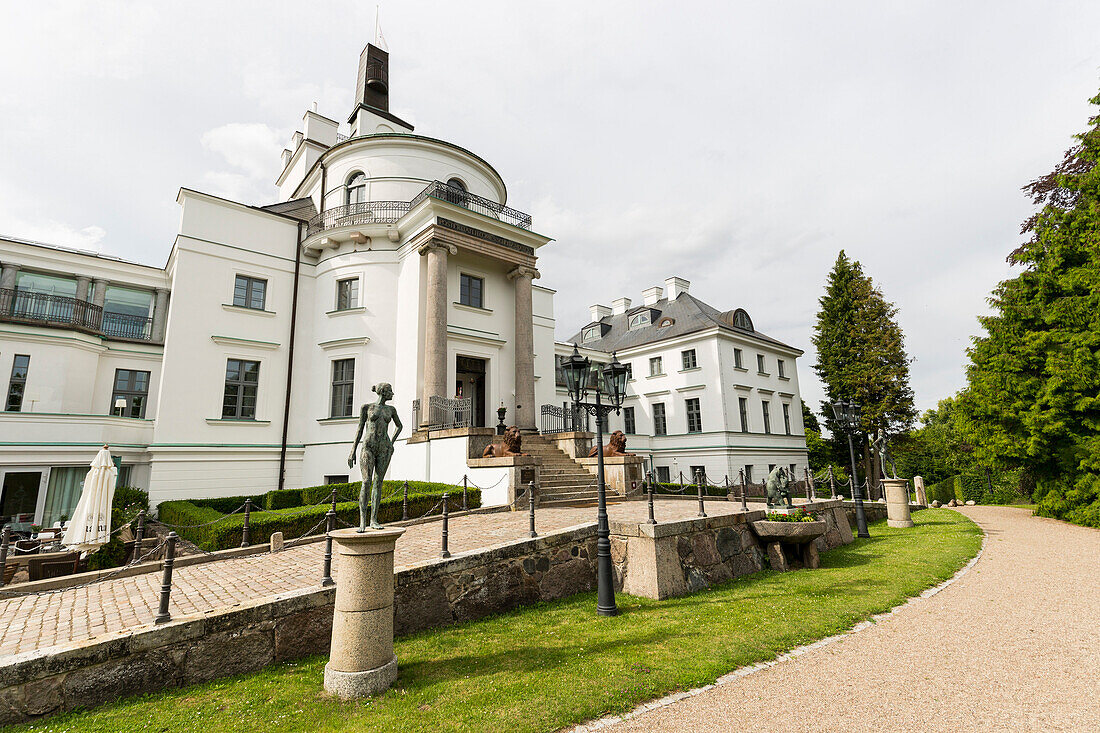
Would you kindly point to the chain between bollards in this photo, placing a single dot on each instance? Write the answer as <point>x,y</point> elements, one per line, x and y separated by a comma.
<point>649,500</point>
<point>531,509</point>
<point>4,543</point>
<point>699,488</point>
<point>465,480</point>
<point>744,489</point>
<point>446,552</point>
<point>330,526</point>
<point>405,501</point>
<point>163,616</point>
<point>246,532</point>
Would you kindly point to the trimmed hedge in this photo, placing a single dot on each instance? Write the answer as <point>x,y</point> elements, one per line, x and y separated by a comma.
<point>295,521</point>
<point>227,504</point>
<point>944,491</point>
<point>691,490</point>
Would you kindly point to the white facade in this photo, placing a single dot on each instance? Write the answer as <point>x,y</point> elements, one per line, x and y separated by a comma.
<point>385,217</point>
<point>697,362</point>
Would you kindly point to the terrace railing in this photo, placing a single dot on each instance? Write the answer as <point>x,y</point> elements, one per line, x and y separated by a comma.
<point>564,419</point>
<point>447,412</point>
<point>25,305</point>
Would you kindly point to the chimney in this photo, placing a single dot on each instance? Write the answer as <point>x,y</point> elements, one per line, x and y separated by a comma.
<point>650,296</point>
<point>599,312</point>
<point>675,286</point>
<point>372,86</point>
<point>620,306</point>
<point>296,140</point>
<point>286,157</point>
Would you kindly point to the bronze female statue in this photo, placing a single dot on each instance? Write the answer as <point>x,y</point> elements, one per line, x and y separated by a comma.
<point>377,451</point>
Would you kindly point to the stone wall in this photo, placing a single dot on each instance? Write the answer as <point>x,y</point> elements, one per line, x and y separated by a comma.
<point>676,558</point>
<point>657,561</point>
<point>288,626</point>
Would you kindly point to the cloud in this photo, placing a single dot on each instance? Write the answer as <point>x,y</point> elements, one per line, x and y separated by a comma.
<point>253,150</point>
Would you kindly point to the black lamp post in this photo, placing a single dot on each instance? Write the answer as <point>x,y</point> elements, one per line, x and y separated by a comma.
<point>578,371</point>
<point>847,414</point>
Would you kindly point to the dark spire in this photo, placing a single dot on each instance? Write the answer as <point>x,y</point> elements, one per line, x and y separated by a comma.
<point>372,87</point>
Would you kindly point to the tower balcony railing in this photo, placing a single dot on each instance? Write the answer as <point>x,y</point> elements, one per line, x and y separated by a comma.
<point>390,212</point>
<point>25,306</point>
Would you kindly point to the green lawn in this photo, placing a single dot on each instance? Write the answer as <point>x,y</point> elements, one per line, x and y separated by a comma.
<point>547,666</point>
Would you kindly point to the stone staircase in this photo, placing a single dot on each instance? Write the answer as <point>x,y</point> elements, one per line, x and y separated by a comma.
<point>563,480</point>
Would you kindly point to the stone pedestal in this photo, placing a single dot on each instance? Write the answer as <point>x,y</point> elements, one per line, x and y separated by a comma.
<point>919,490</point>
<point>620,473</point>
<point>897,502</point>
<point>361,661</point>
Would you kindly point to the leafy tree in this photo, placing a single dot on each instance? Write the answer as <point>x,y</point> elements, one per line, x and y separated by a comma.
<point>861,355</point>
<point>1034,379</point>
<point>939,448</point>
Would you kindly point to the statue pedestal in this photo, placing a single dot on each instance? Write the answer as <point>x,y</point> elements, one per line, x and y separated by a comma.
<point>897,502</point>
<point>361,661</point>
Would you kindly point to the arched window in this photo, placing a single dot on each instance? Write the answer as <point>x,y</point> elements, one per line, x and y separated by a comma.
<point>357,188</point>
<point>741,320</point>
<point>456,192</point>
<point>639,320</point>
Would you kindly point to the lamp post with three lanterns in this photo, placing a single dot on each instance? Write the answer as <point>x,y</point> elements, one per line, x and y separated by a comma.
<point>578,373</point>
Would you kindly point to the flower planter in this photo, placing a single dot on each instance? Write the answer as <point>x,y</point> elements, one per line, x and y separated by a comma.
<point>790,544</point>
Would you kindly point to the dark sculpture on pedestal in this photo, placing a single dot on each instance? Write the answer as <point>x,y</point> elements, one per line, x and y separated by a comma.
<point>512,446</point>
<point>374,460</point>
<point>777,487</point>
<point>616,446</point>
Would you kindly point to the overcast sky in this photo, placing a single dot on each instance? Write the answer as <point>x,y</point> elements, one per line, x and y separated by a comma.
<point>737,145</point>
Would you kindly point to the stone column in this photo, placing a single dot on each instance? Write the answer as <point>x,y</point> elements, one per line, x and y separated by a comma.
<point>96,320</point>
<point>160,315</point>
<point>8,271</point>
<point>918,489</point>
<point>897,502</point>
<point>524,346</point>
<point>361,659</point>
<point>435,326</point>
<point>82,283</point>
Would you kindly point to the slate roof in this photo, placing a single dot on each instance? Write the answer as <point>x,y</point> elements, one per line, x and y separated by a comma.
<point>301,209</point>
<point>688,313</point>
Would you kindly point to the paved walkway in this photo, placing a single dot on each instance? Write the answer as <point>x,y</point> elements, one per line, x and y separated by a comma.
<point>33,622</point>
<point>1013,645</point>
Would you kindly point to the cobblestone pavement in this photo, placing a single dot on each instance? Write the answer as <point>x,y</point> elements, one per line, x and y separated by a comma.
<point>1014,645</point>
<point>33,622</point>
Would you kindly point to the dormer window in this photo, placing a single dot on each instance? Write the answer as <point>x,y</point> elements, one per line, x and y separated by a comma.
<point>591,333</point>
<point>666,322</point>
<point>357,188</point>
<point>741,320</point>
<point>639,320</point>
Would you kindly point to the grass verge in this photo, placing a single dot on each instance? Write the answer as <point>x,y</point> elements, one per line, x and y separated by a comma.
<point>556,664</point>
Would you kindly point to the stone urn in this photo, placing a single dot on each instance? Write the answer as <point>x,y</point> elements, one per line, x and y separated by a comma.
<point>790,544</point>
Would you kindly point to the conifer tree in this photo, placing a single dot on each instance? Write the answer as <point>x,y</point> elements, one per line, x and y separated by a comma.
<point>861,355</point>
<point>1034,379</point>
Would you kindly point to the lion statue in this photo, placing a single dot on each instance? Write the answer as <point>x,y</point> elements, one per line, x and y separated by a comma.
<point>512,446</point>
<point>616,446</point>
<point>777,487</point>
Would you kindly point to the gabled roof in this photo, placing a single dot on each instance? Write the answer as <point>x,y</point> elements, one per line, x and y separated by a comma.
<point>688,314</point>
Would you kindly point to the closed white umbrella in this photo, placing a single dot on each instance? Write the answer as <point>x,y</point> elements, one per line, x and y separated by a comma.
<point>90,526</point>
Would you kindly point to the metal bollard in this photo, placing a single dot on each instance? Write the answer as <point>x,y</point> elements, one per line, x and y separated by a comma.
<point>531,508</point>
<point>832,484</point>
<point>446,552</point>
<point>139,533</point>
<point>464,488</point>
<point>699,488</point>
<point>4,543</point>
<point>405,502</point>
<point>744,498</point>
<point>330,526</point>
<point>166,582</point>
<point>246,533</point>
<point>332,499</point>
<point>651,520</point>
<point>809,484</point>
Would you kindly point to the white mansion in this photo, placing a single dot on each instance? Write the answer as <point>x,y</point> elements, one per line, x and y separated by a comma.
<point>239,366</point>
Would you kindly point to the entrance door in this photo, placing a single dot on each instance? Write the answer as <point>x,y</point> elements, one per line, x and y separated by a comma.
<point>470,382</point>
<point>19,494</point>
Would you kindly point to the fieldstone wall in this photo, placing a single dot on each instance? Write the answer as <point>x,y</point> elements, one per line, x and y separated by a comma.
<point>288,626</point>
<point>677,558</point>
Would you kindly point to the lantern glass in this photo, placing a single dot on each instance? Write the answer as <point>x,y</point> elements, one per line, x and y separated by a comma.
<point>575,371</point>
<point>614,377</point>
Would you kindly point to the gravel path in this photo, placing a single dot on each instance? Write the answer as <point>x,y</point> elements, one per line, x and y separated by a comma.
<point>1013,645</point>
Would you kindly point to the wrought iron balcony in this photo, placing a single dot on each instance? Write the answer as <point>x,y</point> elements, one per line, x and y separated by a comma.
<point>473,202</point>
<point>390,212</point>
<point>360,214</point>
<point>24,306</point>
